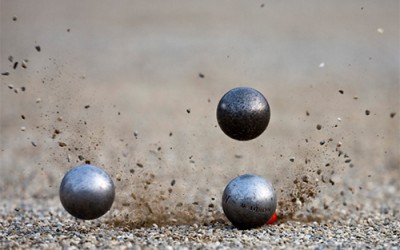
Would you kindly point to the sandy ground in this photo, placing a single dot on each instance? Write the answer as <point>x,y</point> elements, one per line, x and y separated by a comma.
<point>133,87</point>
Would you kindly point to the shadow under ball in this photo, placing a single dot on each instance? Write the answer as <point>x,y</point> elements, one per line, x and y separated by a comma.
<point>249,201</point>
<point>243,113</point>
<point>87,192</point>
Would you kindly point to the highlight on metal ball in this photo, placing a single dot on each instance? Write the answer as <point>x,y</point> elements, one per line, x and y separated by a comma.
<point>243,113</point>
<point>249,201</point>
<point>87,192</point>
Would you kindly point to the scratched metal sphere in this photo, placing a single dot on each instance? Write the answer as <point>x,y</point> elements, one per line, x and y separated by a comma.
<point>249,201</point>
<point>243,113</point>
<point>87,192</point>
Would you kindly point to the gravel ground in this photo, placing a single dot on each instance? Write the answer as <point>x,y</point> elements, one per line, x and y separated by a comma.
<point>50,227</point>
<point>133,88</point>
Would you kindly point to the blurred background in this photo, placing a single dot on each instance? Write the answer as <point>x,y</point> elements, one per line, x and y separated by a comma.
<point>133,86</point>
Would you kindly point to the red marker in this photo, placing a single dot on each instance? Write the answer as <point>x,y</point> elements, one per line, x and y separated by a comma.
<point>273,219</point>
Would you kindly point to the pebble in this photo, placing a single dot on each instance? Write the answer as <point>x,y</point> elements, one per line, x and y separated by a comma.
<point>24,64</point>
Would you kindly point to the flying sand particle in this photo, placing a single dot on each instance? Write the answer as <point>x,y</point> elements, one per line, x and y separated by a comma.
<point>24,64</point>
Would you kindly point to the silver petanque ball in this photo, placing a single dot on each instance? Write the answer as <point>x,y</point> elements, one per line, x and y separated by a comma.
<point>249,201</point>
<point>243,113</point>
<point>87,192</point>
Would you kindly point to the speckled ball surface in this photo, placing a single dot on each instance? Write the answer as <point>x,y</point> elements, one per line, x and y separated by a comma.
<point>87,192</point>
<point>249,201</point>
<point>243,113</point>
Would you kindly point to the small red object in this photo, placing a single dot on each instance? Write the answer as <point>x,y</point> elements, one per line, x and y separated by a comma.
<point>273,219</point>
